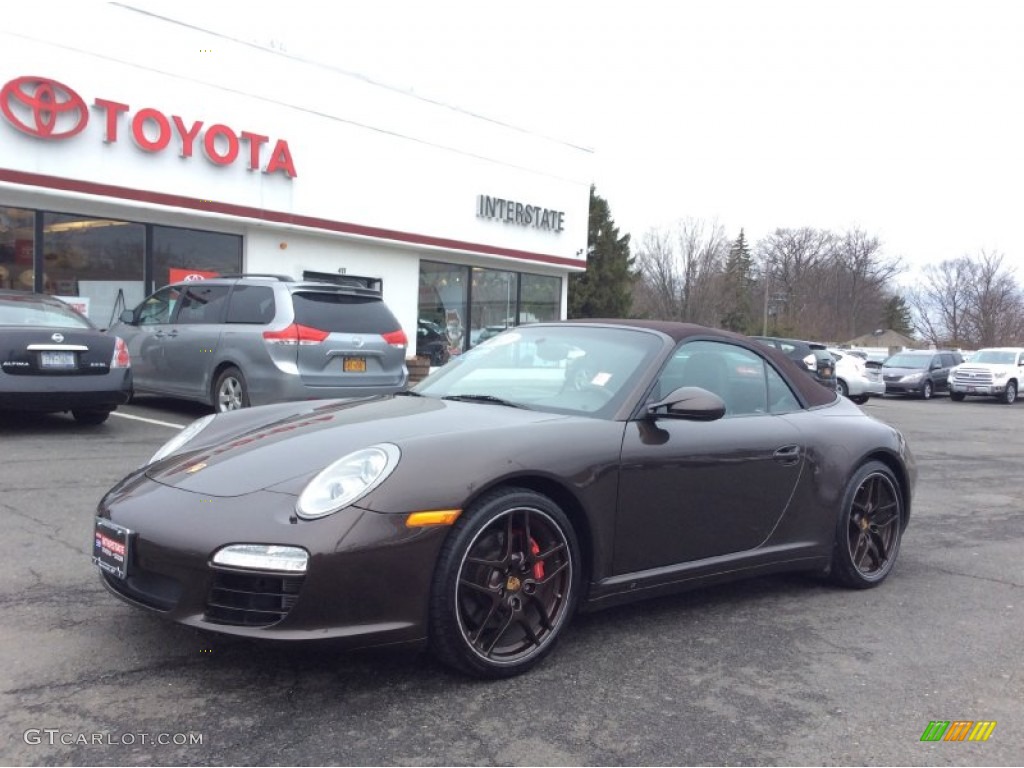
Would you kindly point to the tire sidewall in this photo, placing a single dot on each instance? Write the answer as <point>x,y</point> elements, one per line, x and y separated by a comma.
<point>927,389</point>
<point>446,637</point>
<point>1008,398</point>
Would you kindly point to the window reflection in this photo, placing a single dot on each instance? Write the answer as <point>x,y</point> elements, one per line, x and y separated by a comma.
<point>17,238</point>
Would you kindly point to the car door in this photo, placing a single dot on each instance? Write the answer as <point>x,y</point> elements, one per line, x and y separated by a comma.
<point>191,344</point>
<point>692,490</point>
<point>151,321</point>
<point>947,360</point>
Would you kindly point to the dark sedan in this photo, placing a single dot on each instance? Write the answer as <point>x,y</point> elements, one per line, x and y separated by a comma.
<point>53,359</point>
<point>557,466</point>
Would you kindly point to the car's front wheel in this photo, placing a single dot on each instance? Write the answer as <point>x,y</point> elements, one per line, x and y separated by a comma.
<point>957,397</point>
<point>1010,393</point>
<point>505,585</point>
<point>927,391</point>
<point>870,528</point>
<point>230,391</point>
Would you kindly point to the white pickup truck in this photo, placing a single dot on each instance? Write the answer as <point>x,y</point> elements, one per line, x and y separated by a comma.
<point>992,372</point>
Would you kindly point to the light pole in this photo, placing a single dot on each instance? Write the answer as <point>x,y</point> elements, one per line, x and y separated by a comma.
<point>767,283</point>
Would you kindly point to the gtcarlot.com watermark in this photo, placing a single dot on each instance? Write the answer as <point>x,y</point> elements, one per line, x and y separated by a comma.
<point>55,737</point>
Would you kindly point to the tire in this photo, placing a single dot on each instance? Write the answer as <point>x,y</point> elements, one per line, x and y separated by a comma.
<point>230,391</point>
<point>506,584</point>
<point>1010,393</point>
<point>927,390</point>
<point>90,417</point>
<point>870,528</point>
<point>843,389</point>
<point>859,399</point>
<point>957,397</point>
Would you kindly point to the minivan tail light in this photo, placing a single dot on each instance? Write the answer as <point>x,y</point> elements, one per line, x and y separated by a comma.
<point>295,335</point>
<point>120,358</point>
<point>396,339</point>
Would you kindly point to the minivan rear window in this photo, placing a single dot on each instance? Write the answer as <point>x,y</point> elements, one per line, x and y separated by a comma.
<point>343,313</point>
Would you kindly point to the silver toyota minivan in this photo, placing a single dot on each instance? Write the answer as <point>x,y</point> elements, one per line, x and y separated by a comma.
<point>242,340</point>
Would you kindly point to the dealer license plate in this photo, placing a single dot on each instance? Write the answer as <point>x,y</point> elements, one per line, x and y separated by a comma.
<point>354,365</point>
<point>57,359</point>
<point>110,547</point>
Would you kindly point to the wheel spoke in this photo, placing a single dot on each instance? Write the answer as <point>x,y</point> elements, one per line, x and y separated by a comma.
<point>886,515</point>
<point>485,562</point>
<point>529,631</point>
<point>545,555</point>
<point>545,620</point>
<point>859,549</point>
<point>474,637</point>
<point>483,588</point>
<point>555,572</point>
<point>879,547</point>
<point>501,633</point>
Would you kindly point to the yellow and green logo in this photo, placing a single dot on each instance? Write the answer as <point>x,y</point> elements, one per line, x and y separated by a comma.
<point>958,730</point>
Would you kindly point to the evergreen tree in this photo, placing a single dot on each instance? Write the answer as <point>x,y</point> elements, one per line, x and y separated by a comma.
<point>605,289</point>
<point>738,283</point>
<point>897,316</point>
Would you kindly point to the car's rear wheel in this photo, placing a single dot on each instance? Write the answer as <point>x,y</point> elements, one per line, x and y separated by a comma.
<point>957,397</point>
<point>927,391</point>
<point>859,399</point>
<point>505,585</point>
<point>1010,393</point>
<point>870,528</point>
<point>230,391</point>
<point>90,417</point>
<point>843,389</point>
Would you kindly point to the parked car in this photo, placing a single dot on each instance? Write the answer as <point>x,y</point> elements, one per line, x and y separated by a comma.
<point>243,340</point>
<point>814,357</point>
<point>919,372</point>
<point>993,372</point>
<point>475,512</point>
<point>53,359</point>
<point>854,379</point>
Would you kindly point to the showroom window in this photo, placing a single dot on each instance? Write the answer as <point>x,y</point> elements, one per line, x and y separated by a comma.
<point>17,240</point>
<point>94,261</point>
<point>178,253</point>
<point>469,305</point>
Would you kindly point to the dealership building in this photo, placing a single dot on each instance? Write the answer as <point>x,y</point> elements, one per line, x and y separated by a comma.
<point>137,150</point>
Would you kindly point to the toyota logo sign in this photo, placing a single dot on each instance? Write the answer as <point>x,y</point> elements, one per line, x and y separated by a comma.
<point>43,108</point>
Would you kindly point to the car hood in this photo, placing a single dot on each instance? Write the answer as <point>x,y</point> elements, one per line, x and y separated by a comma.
<point>289,443</point>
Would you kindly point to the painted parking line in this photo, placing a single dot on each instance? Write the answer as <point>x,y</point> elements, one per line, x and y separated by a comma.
<point>149,421</point>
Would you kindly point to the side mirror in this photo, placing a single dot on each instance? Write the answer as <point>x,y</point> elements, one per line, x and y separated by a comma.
<point>691,403</point>
<point>127,317</point>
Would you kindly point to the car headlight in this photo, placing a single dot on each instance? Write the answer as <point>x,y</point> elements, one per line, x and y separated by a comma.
<point>347,480</point>
<point>912,377</point>
<point>179,440</point>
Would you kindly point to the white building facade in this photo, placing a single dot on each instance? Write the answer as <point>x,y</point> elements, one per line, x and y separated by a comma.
<point>136,150</point>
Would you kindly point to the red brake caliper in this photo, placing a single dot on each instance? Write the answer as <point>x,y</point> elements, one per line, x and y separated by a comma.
<point>538,568</point>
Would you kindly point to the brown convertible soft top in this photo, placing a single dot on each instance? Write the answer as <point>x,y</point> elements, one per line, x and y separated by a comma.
<point>810,390</point>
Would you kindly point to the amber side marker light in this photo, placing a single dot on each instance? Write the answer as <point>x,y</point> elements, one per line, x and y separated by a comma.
<point>437,517</point>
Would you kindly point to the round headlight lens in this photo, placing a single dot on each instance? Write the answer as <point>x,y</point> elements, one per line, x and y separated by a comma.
<point>347,480</point>
<point>179,440</point>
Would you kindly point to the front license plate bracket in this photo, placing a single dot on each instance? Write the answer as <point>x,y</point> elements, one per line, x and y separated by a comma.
<point>111,548</point>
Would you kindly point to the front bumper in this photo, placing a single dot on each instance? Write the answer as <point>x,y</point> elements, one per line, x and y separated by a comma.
<point>368,579</point>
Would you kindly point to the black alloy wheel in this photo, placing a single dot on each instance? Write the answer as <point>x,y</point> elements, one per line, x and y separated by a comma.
<point>870,528</point>
<point>1010,393</point>
<point>230,391</point>
<point>505,585</point>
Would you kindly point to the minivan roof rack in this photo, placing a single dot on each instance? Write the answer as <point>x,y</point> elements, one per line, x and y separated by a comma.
<point>281,278</point>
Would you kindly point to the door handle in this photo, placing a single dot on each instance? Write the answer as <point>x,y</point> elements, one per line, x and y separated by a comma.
<point>787,454</point>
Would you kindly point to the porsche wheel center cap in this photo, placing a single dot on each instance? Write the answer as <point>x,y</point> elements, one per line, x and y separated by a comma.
<point>513,584</point>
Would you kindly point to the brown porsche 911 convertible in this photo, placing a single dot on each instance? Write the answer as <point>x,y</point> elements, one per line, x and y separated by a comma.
<point>554,467</point>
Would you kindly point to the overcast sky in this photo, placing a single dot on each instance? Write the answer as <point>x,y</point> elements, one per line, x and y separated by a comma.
<point>905,119</point>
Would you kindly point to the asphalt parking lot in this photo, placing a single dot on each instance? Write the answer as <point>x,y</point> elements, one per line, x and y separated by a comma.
<point>782,670</point>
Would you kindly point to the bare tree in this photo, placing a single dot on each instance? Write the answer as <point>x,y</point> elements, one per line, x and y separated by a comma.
<point>995,303</point>
<point>792,263</point>
<point>863,279</point>
<point>680,272</point>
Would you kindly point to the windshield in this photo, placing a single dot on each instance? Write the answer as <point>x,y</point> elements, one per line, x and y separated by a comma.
<point>32,310</point>
<point>563,369</point>
<point>908,361</point>
<point>995,356</point>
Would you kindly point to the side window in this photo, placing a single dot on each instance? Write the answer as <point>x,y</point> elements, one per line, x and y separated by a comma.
<point>252,304</point>
<point>734,374</point>
<point>780,397</point>
<point>948,361</point>
<point>202,304</point>
<point>159,307</point>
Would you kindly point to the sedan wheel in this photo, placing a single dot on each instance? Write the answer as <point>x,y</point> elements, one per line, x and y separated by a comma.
<point>1010,393</point>
<point>870,528</point>
<point>505,585</point>
<point>843,389</point>
<point>230,392</point>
